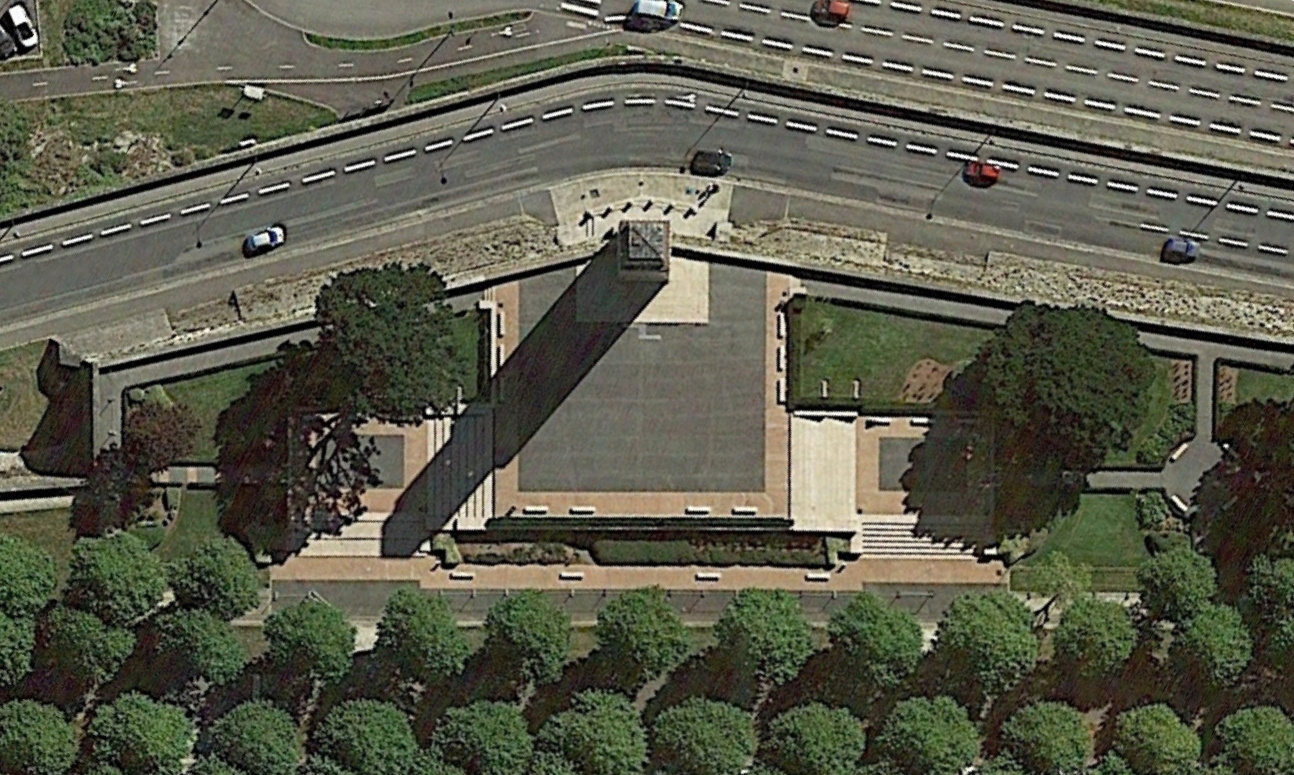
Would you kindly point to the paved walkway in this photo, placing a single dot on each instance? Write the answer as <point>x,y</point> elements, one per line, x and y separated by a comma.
<point>388,18</point>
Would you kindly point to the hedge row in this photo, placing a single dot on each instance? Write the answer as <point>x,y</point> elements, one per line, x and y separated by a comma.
<point>624,552</point>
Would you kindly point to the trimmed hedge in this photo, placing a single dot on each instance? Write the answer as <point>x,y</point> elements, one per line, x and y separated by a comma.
<point>624,552</point>
<point>531,554</point>
<point>1177,427</point>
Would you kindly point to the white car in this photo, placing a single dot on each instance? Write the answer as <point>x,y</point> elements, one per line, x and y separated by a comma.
<point>19,22</point>
<point>265,240</point>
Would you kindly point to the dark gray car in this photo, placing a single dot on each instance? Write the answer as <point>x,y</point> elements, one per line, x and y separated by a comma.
<point>711,164</point>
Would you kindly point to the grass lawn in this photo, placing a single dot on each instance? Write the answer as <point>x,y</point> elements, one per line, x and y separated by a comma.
<point>1260,385</point>
<point>208,396</point>
<point>467,338</point>
<point>877,348</point>
<point>400,41</point>
<point>1161,397</point>
<point>197,521</point>
<point>21,402</point>
<point>47,529</point>
<point>431,91</point>
<point>1103,533</point>
<point>1209,14</point>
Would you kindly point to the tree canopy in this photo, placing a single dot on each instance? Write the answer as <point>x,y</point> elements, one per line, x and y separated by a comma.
<point>313,637</point>
<point>392,328</point>
<point>28,580</point>
<point>116,578</point>
<point>767,631</point>
<point>157,435</point>
<point>924,736</point>
<point>989,636</point>
<point>703,737</point>
<point>1271,600</point>
<point>484,738</point>
<point>1060,579</point>
<point>1257,741</point>
<point>1154,741</point>
<point>35,739</point>
<point>1216,643</point>
<point>1095,636</point>
<point>368,737</point>
<point>420,634</point>
<point>1176,585</point>
<point>528,629</point>
<point>1047,737</point>
<point>883,643</point>
<point>141,736</point>
<point>601,734</point>
<point>813,739</point>
<point>642,629</point>
<point>17,641</point>
<point>80,645</point>
<point>207,645</point>
<point>217,577</point>
<point>257,737</point>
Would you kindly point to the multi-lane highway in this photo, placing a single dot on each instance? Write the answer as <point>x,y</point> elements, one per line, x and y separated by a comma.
<point>1178,84</point>
<point>604,126</point>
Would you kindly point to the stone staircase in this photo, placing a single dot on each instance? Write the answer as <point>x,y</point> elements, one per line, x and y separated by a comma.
<point>891,535</point>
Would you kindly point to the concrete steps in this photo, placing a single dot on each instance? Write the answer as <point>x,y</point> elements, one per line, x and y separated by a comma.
<point>892,536</point>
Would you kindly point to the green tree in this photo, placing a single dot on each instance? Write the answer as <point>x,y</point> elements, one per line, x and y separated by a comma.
<point>1003,765</point>
<point>641,630</point>
<point>393,329</point>
<point>549,763</point>
<point>207,645</point>
<point>990,637</point>
<point>813,739</point>
<point>484,738</point>
<point>1060,580</point>
<point>1271,599</point>
<point>313,637</point>
<point>767,631</point>
<point>1047,738</point>
<point>420,634</point>
<point>1257,741</point>
<point>924,736</point>
<point>1096,636</point>
<point>703,737</point>
<point>601,734</point>
<point>113,496</point>
<point>141,736</point>
<point>1154,741</point>
<point>1216,643</point>
<point>322,765</point>
<point>209,765</point>
<point>1113,764</point>
<point>257,738</point>
<point>882,642</point>
<point>80,645</point>
<point>531,631</point>
<point>117,578</point>
<point>1176,585</point>
<point>28,580</point>
<point>17,641</point>
<point>217,577</point>
<point>368,737</point>
<point>35,739</point>
<point>157,435</point>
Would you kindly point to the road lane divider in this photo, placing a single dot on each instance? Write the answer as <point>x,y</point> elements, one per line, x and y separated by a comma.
<point>946,13</point>
<point>1110,45</point>
<point>795,16</point>
<point>842,134</point>
<point>196,208</point>
<point>359,165</point>
<point>400,155</point>
<point>879,32</point>
<point>744,37</point>
<point>588,107</point>
<point>1161,193</point>
<point>559,113</point>
<point>1264,135</point>
<point>1232,242</point>
<point>67,243</point>
<point>479,134</point>
<point>760,118</point>
<point>975,80</point>
<point>318,176</point>
<point>1043,172</point>
<point>1280,215</point>
<point>1190,61</point>
<point>1242,208</point>
<point>37,251</point>
<point>119,228</point>
<point>1154,227</point>
<point>6,258</point>
<point>1262,247</point>
<point>1026,29</point>
<point>1166,86</point>
<point>274,189</point>
<point>1069,37</point>
<point>1039,62</point>
<point>518,124</point>
<point>1082,179</point>
<point>633,102</point>
<point>925,150</point>
<point>1206,93</point>
<point>817,52</point>
<point>800,126</point>
<point>1123,77</point>
<point>699,29</point>
<point>1229,68</point>
<point>962,47</point>
<point>987,21</point>
<point>1149,53</point>
<point>1198,236</point>
<point>439,145</point>
<point>884,142</point>
<point>155,219</point>
<point>856,59</point>
<point>715,110</point>
<point>1269,75</point>
<point>1122,187</point>
<point>674,102</point>
<point>778,44</point>
<point>1099,104</point>
<point>1184,120</point>
<point>919,39</point>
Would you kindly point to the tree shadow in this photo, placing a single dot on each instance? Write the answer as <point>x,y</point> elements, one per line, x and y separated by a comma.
<point>487,675</point>
<point>715,674</point>
<point>599,670</point>
<point>63,442</point>
<point>591,314</point>
<point>820,681</point>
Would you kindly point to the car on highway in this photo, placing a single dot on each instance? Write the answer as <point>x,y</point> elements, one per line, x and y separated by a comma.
<point>17,21</point>
<point>1179,250</point>
<point>829,13</point>
<point>653,15</point>
<point>981,174</point>
<point>710,164</point>
<point>261,242</point>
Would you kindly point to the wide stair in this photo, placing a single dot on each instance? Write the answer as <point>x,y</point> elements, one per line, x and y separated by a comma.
<point>891,535</point>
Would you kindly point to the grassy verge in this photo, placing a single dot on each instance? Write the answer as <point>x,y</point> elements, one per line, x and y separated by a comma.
<point>1103,533</point>
<point>1259,385</point>
<point>841,343</point>
<point>47,529</point>
<point>400,41</point>
<point>101,141</point>
<point>463,83</point>
<point>1209,14</point>
<point>198,520</point>
<point>209,395</point>
<point>21,402</point>
<point>467,340</point>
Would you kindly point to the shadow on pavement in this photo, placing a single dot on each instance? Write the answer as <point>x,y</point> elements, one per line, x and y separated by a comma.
<point>63,442</point>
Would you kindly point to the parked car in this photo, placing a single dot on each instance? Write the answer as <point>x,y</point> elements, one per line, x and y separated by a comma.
<point>19,23</point>
<point>265,240</point>
<point>981,174</point>
<point>710,164</point>
<point>1179,250</point>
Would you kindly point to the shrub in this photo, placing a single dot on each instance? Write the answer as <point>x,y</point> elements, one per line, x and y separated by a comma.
<point>677,552</point>
<point>98,31</point>
<point>528,554</point>
<point>444,547</point>
<point>1152,509</point>
<point>1176,428</point>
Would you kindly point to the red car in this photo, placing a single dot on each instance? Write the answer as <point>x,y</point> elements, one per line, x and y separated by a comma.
<point>981,174</point>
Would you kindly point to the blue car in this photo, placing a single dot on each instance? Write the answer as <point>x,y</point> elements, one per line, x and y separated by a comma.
<point>1179,250</point>
<point>265,240</point>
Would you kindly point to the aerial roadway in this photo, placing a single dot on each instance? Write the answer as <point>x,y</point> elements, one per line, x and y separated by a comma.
<point>906,174</point>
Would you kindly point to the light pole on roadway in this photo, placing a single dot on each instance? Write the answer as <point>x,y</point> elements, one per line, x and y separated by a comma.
<point>197,233</point>
<point>930,208</point>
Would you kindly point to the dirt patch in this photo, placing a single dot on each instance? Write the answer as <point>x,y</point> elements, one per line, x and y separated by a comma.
<point>1227,376</point>
<point>65,166</point>
<point>924,381</point>
<point>1183,377</point>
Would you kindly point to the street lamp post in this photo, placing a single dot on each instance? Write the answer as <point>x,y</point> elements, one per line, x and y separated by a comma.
<point>197,233</point>
<point>713,122</point>
<point>930,208</point>
<point>1235,184</point>
<point>440,168</point>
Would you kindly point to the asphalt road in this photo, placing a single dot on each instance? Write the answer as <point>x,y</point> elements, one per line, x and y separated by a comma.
<point>321,197</point>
